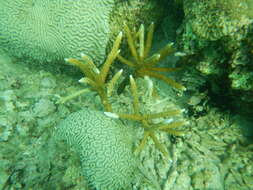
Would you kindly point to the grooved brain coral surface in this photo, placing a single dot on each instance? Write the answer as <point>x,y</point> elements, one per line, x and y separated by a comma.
<point>104,146</point>
<point>50,30</point>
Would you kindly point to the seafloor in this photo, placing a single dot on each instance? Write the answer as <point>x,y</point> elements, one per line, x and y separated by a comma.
<point>213,154</point>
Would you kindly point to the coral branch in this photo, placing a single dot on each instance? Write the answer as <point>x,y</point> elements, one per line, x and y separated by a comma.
<point>96,78</point>
<point>142,63</point>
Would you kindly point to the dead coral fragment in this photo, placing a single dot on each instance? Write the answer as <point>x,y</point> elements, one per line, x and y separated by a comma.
<point>146,121</point>
<point>97,78</point>
<point>142,63</point>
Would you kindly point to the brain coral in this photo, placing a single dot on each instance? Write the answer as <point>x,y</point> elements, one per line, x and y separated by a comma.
<point>50,30</point>
<point>104,146</point>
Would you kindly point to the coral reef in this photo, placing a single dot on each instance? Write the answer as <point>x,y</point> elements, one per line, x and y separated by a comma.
<point>143,66</point>
<point>214,153</point>
<point>215,19</point>
<point>104,146</point>
<point>217,35</point>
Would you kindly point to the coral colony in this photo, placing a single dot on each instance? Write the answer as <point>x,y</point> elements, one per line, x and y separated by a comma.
<point>143,65</point>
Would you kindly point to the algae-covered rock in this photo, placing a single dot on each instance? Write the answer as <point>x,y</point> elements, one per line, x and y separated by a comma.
<point>134,13</point>
<point>104,147</point>
<point>218,33</point>
<point>218,18</point>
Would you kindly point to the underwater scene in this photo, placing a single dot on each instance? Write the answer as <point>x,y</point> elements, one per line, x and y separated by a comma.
<point>126,95</point>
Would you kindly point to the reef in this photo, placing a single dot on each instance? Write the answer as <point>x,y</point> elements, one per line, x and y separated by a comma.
<point>46,143</point>
<point>217,36</point>
<point>97,80</point>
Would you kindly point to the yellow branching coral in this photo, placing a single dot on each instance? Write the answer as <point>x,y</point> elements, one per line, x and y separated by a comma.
<point>97,78</point>
<point>146,120</point>
<point>142,63</point>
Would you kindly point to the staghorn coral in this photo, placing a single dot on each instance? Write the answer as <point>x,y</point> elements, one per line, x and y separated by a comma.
<point>147,120</point>
<point>96,78</point>
<point>74,127</point>
<point>143,64</point>
<point>93,135</point>
<point>104,146</point>
<point>49,31</point>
